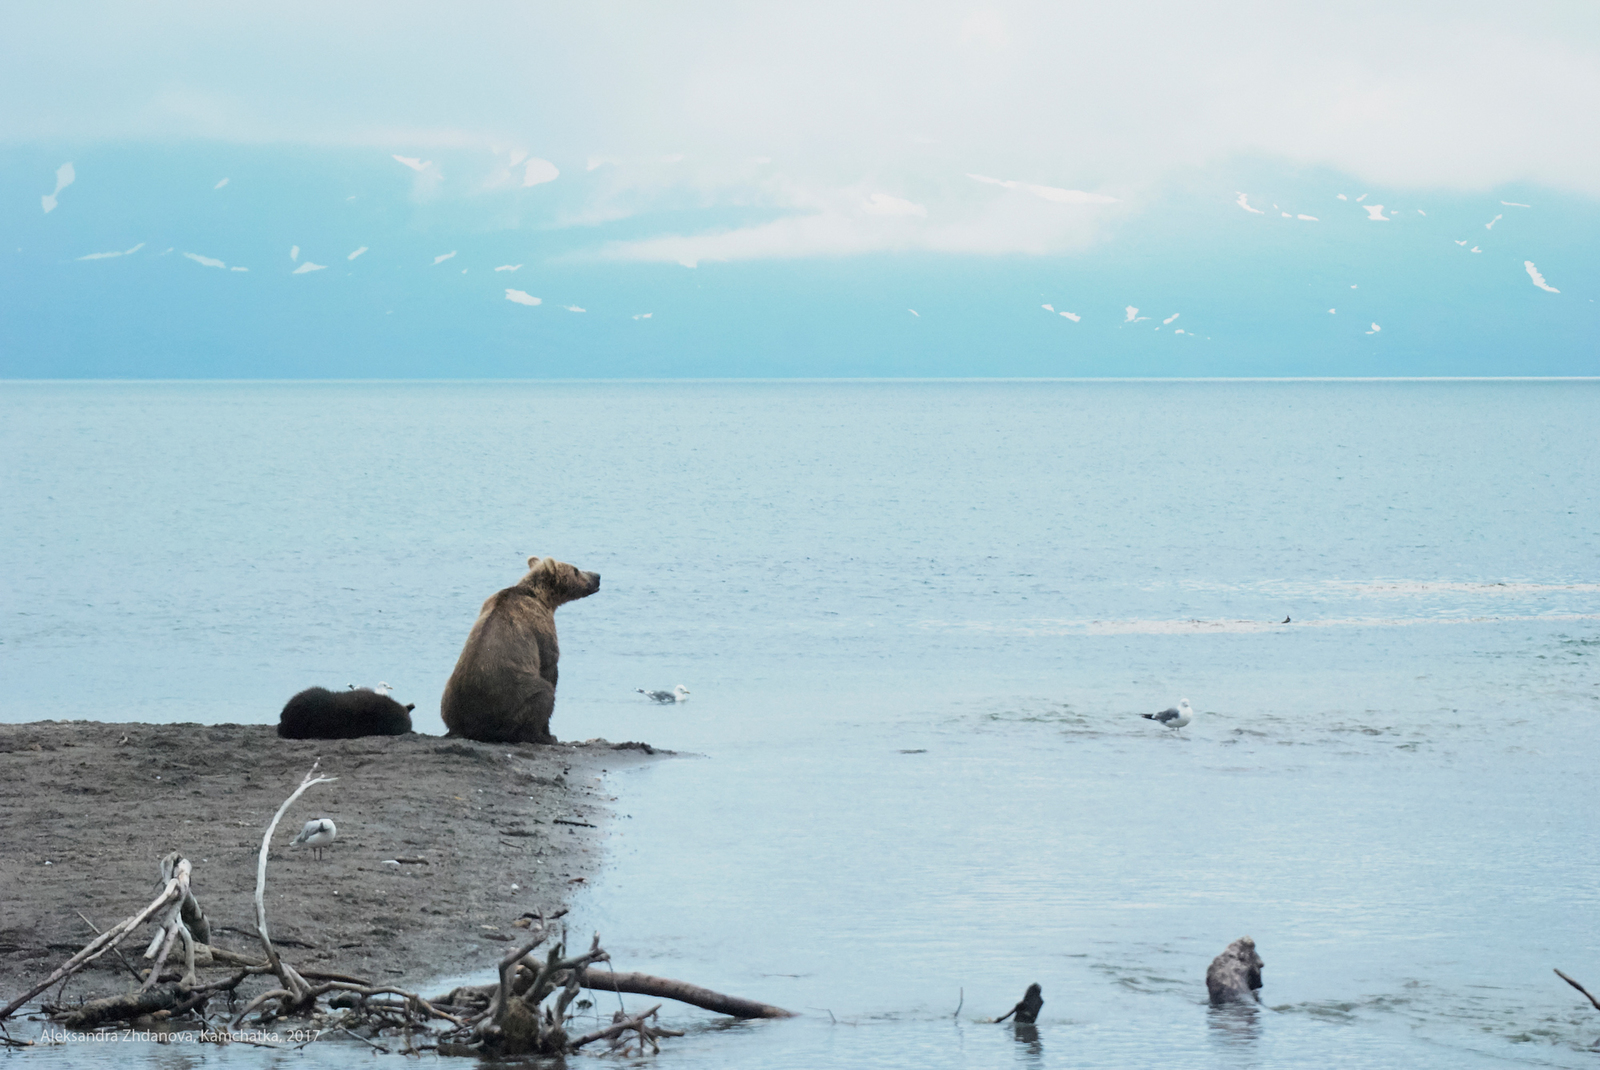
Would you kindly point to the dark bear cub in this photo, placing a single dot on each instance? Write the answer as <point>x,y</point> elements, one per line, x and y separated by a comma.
<point>317,713</point>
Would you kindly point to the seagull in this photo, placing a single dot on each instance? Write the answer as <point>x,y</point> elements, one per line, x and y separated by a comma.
<point>1286,620</point>
<point>1173,717</point>
<point>677,694</point>
<point>383,688</point>
<point>318,833</point>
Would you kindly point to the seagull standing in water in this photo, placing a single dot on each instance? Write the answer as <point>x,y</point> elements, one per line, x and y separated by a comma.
<point>1173,717</point>
<point>318,833</point>
<point>677,694</point>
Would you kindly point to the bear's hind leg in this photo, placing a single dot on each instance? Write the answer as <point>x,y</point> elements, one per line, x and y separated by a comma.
<point>531,721</point>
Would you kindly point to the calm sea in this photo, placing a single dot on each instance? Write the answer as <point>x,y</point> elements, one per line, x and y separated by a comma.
<point>919,621</point>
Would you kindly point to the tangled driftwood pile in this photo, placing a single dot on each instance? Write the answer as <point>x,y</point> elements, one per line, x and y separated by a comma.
<point>524,1012</point>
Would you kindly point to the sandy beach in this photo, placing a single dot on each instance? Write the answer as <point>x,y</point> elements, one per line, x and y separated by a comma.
<point>482,832</point>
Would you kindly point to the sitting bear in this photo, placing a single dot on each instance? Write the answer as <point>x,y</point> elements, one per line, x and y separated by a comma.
<point>317,713</point>
<point>1234,975</point>
<point>503,689</point>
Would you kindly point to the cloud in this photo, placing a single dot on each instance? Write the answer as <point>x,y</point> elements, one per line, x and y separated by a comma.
<point>508,267</point>
<point>207,261</point>
<point>1309,218</point>
<point>1243,202</point>
<point>643,316</point>
<point>839,221</point>
<point>1049,193</point>
<point>415,163</point>
<point>1116,91</point>
<point>914,312</point>
<point>574,308</point>
<point>522,297</point>
<point>539,172</point>
<point>883,204</point>
<point>307,267</point>
<point>985,27</point>
<point>65,176</point>
<point>238,269</point>
<point>294,252</point>
<point>107,256</point>
<point>1514,204</point>
<point>1133,315</point>
<point>219,185</point>
<point>1170,318</point>
<point>442,257</point>
<point>1375,329</point>
<point>357,253</point>
<point>1073,316</point>
<point>1490,225</point>
<point>1375,213</point>
<point>1538,279</point>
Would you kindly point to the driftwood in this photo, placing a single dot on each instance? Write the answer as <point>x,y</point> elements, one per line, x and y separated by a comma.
<point>145,1001</point>
<point>172,925</point>
<point>1028,1007</point>
<point>524,1012</point>
<point>645,1033</point>
<point>1580,988</point>
<point>99,945</point>
<point>642,984</point>
<point>296,991</point>
<point>516,1022</point>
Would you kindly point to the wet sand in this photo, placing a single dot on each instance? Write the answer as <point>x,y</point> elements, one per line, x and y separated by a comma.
<point>87,811</point>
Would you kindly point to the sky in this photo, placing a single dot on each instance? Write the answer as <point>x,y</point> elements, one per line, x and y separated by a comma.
<point>697,190</point>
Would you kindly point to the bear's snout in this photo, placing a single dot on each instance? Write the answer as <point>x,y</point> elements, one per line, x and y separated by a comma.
<point>593,579</point>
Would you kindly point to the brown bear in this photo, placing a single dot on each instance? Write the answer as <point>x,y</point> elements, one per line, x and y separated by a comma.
<point>317,713</point>
<point>1234,975</point>
<point>503,689</point>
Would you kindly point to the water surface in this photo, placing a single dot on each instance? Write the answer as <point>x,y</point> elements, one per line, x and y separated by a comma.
<point>919,620</point>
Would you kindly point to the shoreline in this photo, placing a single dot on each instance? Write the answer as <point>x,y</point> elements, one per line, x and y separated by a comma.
<point>88,809</point>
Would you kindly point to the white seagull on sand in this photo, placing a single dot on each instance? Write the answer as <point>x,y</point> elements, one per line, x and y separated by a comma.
<point>1173,717</point>
<point>318,833</point>
<point>677,694</point>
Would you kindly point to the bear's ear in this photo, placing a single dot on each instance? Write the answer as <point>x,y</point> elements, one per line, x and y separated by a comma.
<point>547,565</point>
<point>533,561</point>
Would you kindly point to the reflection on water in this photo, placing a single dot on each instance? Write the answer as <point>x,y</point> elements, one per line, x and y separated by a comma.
<point>1030,1048</point>
<point>1235,1025</point>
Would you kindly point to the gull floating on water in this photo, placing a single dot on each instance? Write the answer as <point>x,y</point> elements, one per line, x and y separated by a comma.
<point>318,833</point>
<point>677,694</point>
<point>1173,717</point>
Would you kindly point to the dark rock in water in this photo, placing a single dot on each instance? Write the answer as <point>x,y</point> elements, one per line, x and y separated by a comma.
<point>317,713</point>
<point>1234,975</point>
<point>1027,1008</point>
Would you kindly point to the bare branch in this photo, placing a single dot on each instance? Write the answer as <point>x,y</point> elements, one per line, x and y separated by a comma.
<point>1580,988</point>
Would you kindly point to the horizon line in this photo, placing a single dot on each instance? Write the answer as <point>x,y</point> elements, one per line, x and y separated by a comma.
<point>844,379</point>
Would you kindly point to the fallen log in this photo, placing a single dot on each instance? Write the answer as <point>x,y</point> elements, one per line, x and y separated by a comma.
<point>642,984</point>
<point>120,1008</point>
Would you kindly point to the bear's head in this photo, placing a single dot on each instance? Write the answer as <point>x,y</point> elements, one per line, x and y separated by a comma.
<point>1244,951</point>
<point>558,582</point>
